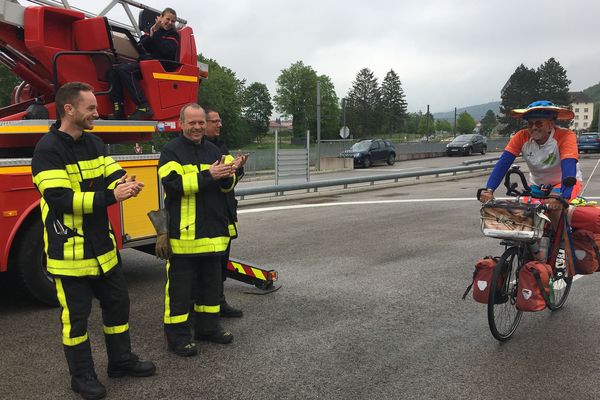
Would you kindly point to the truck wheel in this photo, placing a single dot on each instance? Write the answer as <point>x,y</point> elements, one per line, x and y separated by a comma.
<point>31,264</point>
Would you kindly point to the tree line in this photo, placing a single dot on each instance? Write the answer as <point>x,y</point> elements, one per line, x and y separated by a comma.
<point>369,108</point>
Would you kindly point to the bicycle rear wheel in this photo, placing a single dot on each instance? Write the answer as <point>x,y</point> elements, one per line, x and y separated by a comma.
<point>561,284</point>
<point>503,316</point>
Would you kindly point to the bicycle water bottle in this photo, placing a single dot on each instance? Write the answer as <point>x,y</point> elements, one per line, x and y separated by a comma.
<point>542,254</point>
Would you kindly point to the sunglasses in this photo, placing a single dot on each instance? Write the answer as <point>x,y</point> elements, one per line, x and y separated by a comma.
<point>538,124</point>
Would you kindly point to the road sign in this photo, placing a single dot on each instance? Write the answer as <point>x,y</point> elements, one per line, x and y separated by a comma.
<point>344,132</point>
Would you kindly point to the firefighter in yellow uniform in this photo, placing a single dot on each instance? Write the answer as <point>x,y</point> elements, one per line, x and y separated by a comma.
<point>78,181</point>
<point>195,176</point>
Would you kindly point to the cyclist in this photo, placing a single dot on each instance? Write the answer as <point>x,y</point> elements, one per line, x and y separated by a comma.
<point>549,151</point>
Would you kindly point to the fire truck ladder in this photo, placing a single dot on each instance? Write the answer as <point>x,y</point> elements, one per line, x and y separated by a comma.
<point>133,28</point>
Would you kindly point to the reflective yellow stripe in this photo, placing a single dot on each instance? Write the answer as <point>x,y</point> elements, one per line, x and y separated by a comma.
<point>170,167</point>
<point>258,273</point>
<point>83,203</point>
<point>91,169</point>
<point>207,309</point>
<point>238,267</point>
<point>109,259</point>
<point>75,341</point>
<point>173,77</point>
<point>66,317</point>
<point>81,266</point>
<point>232,229</point>
<point>122,128</point>
<point>229,159</point>
<point>110,166</point>
<point>190,184</point>
<point>115,330</point>
<point>24,129</point>
<point>168,319</point>
<point>52,178</point>
<point>230,188</point>
<point>187,222</point>
<point>199,246</point>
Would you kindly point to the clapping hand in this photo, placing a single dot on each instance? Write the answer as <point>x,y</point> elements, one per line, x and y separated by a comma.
<point>240,160</point>
<point>127,187</point>
<point>220,170</point>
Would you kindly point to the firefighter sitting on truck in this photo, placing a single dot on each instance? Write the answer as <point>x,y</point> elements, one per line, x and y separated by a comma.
<point>78,181</point>
<point>162,43</point>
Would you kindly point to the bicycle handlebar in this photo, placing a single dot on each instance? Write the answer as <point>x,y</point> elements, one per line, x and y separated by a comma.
<point>511,187</point>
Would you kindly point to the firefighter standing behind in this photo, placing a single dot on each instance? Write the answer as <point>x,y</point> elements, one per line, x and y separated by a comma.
<point>213,133</point>
<point>195,179</point>
<point>78,181</point>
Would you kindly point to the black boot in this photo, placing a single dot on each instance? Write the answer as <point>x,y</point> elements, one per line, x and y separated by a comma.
<point>118,112</point>
<point>132,367</point>
<point>142,113</point>
<point>184,349</point>
<point>88,386</point>
<point>208,328</point>
<point>229,312</point>
<point>221,337</point>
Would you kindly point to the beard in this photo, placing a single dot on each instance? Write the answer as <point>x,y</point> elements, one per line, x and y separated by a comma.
<point>84,123</point>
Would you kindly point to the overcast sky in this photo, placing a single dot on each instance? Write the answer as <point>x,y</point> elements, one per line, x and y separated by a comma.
<point>447,52</point>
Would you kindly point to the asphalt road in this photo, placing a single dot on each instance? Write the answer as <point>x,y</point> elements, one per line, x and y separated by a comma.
<point>370,308</point>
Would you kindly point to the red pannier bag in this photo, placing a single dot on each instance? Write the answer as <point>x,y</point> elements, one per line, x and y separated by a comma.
<point>587,218</point>
<point>587,254</point>
<point>534,292</point>
<point>482,278</point>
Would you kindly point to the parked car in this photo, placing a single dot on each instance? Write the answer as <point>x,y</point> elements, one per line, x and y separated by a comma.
<point>466,145</point>
<point>589,142</point>
<point>368,152</point>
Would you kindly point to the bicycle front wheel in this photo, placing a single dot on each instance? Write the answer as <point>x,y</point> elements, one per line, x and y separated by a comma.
<point>503,316</point>
<point>561,283</point>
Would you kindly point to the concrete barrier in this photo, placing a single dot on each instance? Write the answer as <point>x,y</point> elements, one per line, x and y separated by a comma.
<point>336,163</point>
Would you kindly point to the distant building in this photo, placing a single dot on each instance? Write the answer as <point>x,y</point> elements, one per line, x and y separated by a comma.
<point>583,107</point>
<point>280,125</point>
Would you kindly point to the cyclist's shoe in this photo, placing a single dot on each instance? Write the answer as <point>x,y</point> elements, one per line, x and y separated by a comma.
<point>582,201</point>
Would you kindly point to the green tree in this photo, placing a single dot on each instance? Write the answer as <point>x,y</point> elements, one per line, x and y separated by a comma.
<point>442,125</point>
<point>8,81</point>
<point>224,92</point>
<point>411,123</point>
<point>465,123</point>
<point>553,84</point>
<point>488,123</point>
<point>257,109</point>
<point>426,124</point>
<point>330,110</point>
<point>520,90</point>
<point>393,104</point>
<point>362,104</point>
<point>296,95</point>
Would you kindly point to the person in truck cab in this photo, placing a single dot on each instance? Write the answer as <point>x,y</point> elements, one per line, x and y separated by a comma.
<point>160,43</point>
<point>78,181</point>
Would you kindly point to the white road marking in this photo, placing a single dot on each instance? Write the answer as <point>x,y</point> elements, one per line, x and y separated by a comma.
<point>365,202</point>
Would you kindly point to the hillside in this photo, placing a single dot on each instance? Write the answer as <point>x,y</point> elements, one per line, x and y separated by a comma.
<point>593,92</point>
<point>477,111</point>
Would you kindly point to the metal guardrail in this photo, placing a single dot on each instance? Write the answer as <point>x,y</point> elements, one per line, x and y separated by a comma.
<point>279,190</point>
<point>481,160</point>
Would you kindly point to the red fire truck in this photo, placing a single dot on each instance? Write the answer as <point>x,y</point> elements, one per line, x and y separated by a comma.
<point>47,45</point>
